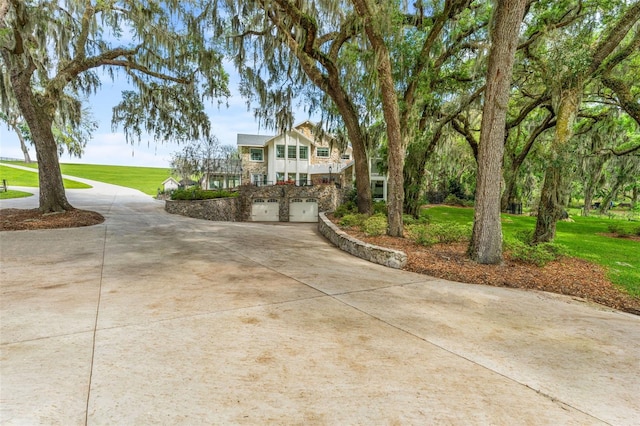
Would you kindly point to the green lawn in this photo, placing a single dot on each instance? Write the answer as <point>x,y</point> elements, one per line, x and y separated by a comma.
<point>620,256</point>
<point>17,177</point>
<point>14,194</point>
<point>145,179</point>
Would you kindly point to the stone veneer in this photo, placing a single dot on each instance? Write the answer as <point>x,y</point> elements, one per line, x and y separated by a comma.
<point>383,256</point>
<point>221,209</point>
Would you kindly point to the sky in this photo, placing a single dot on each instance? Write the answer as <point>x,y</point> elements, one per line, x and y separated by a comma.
<point>109,147</point>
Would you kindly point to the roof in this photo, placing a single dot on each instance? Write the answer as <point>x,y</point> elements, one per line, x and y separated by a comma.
<point>252,140</point>
<point>169,179</point>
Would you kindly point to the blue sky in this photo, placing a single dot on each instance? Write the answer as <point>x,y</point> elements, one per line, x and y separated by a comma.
<point>109,147</point>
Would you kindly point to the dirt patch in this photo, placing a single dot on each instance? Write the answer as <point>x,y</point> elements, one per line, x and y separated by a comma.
<point>568,276</point>
<point>20,219</point>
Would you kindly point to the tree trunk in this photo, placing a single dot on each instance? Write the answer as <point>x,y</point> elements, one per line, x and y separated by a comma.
<point>23,147</point>
<point>52,195</point>
<point>551,207</point>
<point>486,239</point>
<point>391,112</point>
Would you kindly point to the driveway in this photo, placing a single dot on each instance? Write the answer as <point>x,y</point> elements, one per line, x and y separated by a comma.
<point>152,318</point>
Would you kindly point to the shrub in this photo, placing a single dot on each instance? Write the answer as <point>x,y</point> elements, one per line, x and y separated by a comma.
<point>375,225</point>
<point>452,200</point>
<point>538,254</point>
<point>380,207</point>
<point>444,233</point>
<point>408,219</point>
<point>352,219</point>
<point>200,194</point>
<point>346,208</point>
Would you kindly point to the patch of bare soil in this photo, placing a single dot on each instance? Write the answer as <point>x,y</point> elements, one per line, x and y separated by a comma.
<point>568,276</point>
<point>20,219</point>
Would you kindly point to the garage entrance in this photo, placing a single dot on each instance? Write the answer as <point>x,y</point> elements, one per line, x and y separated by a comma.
<point>303,210</point>
<point>265,210</point>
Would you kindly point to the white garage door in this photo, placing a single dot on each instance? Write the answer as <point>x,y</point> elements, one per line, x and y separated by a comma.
<point>265,210</point>
<point>303,210</point>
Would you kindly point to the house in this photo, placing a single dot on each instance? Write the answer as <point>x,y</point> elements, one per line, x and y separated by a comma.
<point>223,173</point>
<point>170,184</point>
<point>293,157</point>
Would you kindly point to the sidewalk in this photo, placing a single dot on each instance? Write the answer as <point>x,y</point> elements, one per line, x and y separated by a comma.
<point>151,318</point>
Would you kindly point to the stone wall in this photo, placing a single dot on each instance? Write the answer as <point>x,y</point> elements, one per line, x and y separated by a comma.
<point>380,255</point>
<point>220,209</point>
<point>238,209</point>
<point>329,197</point>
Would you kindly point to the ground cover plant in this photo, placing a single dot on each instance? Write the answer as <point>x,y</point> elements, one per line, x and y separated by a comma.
<point>17,177</point>
<point>146,179</point>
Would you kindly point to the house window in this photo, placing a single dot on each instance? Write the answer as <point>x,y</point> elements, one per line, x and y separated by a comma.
<point>377,189</point>
<point>304,152</point>
<point>322,152</point>
<point>279,176</point>
<point>257,154</point>
<point>279,151</point>
<point>345,157</point>
<point>303,179</point>
<point>258,179</point>
<point>291,151</point>
<point>292,177</point>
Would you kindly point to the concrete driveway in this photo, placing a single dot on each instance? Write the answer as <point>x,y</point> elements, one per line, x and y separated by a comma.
<point>151,318</point>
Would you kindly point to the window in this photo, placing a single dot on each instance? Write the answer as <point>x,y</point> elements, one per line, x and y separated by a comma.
<point>257,154</point>
<point>291,177</point>
<point>322,152</point>
<point>345,157</point>
<point>279,176</point>
<point>304,152</point>
<point>303,179</point>
<point>279,151</point>
<point>258,179</point>
<point>377,189</point>
<point>291,151</point>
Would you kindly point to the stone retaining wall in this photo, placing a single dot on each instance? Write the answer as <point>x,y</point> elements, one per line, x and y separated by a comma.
<point>220,209</point>
<point>383,256</point>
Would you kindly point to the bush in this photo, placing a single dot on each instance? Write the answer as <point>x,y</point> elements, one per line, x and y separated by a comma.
<point>537,254</point>
<point>408,219</point>
<point>352,219</point>
<point>200,194</point>
<point>347,208</point>
<point>443,233</point>
<point>452,200</point>
<point>375,225</point>
<point>380,207</point>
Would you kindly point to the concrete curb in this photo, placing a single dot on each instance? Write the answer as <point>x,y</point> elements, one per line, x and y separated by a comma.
<point>380,255</point>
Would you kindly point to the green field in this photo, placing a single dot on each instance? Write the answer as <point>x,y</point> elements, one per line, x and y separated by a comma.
<point>145,179</point>
<point>17,177</point>
<point>583,238</point>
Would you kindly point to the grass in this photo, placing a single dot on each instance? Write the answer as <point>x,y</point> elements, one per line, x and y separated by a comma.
<point>17,177</point>
<point>14,194</point>
<point>145,179</point>
<point>583,239</point>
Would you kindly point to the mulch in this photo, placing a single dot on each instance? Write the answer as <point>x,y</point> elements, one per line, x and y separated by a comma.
<point>20,219</point>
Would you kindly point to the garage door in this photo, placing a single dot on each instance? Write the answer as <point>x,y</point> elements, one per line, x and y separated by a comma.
<point>265,210</point>
<point>303,210</point>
